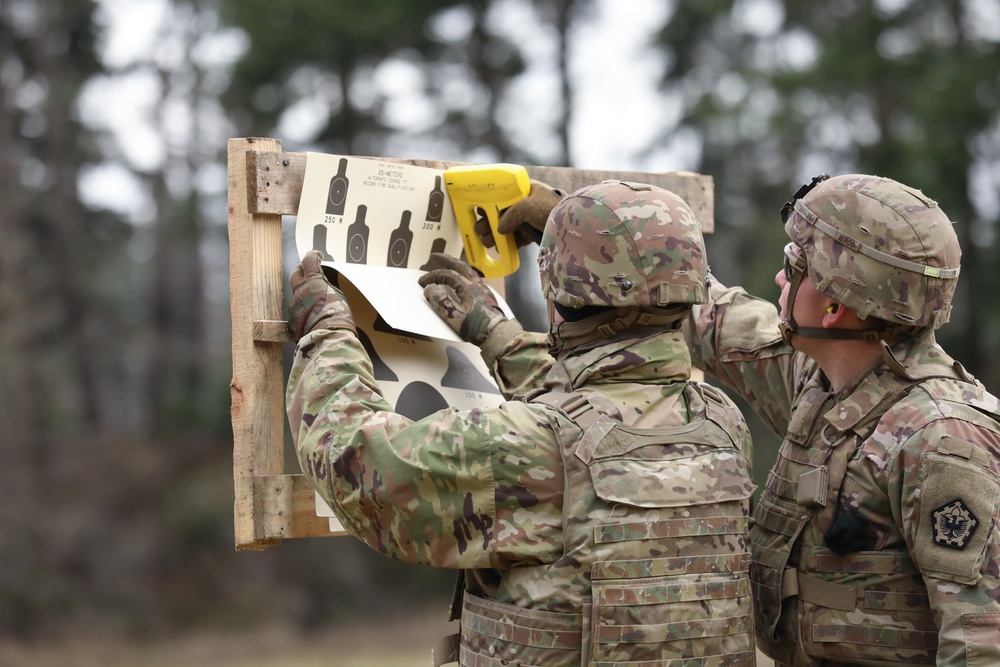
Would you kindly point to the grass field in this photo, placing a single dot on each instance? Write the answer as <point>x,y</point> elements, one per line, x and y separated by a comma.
<point>395,644</point>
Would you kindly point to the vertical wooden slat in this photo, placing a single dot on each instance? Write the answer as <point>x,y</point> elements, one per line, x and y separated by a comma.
<point>255,293</point>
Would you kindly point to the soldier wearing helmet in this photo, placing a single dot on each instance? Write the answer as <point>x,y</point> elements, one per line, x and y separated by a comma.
<point>600,515</point>
<point>875,540</point>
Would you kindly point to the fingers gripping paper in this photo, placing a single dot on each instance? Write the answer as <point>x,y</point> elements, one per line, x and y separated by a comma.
<point>377,223</point>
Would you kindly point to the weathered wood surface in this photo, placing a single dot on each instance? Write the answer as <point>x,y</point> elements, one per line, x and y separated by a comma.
<point>255,294</point>
<point>279,175</point>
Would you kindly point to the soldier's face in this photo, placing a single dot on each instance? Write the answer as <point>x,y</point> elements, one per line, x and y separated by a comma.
<point>810,305</point>
<point>781,280</point>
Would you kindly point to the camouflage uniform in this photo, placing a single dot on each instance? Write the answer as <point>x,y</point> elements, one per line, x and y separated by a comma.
<point>601,518</point>
<point>875,539</point>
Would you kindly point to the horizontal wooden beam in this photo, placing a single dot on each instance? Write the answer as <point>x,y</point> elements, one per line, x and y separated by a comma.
<point>272,331</point>
<point>274,182</point>
<point>288,510</point>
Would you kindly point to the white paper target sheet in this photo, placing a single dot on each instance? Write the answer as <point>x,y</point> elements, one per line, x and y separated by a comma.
<point>377,224</point>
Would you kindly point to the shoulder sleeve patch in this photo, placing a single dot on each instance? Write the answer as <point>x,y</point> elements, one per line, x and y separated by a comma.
<point>954,524</point>
<point>958,500</point>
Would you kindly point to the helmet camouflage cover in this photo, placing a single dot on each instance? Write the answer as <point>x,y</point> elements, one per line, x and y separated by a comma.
<point>622,245</point>
<point>879,247</point>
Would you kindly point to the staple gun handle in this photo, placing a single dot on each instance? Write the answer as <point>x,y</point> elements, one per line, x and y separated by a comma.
<point>487,190</point>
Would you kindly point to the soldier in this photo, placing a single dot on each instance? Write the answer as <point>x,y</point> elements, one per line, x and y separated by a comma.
<point>875,541</point>
<point>600,519</point>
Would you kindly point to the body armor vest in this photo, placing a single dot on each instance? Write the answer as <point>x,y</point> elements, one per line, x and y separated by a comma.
<point>654,570</point>
<point>811,604</point>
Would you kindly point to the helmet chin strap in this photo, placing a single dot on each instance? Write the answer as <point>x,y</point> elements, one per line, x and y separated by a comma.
<point>789,327</point>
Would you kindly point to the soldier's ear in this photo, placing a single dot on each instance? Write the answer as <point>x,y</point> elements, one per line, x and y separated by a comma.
<point>834,316</point>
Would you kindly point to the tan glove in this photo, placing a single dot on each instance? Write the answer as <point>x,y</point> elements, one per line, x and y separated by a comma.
<point>525,219</point>
<point>459,296</point>
<point>316,303</point>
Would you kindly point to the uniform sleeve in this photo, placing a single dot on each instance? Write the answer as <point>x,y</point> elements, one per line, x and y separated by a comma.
<point>461,489</point>
<point>948,487</point>
<point>519,360</point>
<point>735,338</point>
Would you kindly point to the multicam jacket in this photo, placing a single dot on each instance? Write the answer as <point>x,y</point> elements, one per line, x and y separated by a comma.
<point>875,540</point>
<point>510,493</point>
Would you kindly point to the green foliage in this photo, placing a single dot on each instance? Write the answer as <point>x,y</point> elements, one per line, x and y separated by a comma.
<point>331,50</point>
<point>907,90</point>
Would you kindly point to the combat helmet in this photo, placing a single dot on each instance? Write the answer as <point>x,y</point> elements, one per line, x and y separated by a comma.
<point>618,255</point>
<point>884,250</point>
<point>622,245</point>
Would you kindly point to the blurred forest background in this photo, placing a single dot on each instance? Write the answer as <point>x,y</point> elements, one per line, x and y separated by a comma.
<point>114,320</point>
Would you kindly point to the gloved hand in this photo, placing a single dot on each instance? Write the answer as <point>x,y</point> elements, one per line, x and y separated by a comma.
<point>524,219</point>
<point>458,294</point>
<point>316,303</point>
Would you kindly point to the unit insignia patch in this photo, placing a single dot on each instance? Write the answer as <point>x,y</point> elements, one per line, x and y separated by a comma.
<point>954,524</point>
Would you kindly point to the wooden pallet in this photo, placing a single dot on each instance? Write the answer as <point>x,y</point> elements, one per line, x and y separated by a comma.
<point>264,184</point>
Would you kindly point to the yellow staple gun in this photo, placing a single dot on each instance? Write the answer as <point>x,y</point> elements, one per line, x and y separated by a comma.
<point>487,189</point>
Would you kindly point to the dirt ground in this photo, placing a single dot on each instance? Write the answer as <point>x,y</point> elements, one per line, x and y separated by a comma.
<point>395,644</point>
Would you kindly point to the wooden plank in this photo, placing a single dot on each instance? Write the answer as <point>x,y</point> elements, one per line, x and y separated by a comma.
<point>698,190</point>
<point>276,180</point>
<point>272,331</point>
<point>255,293</point>
<point>290,508</point>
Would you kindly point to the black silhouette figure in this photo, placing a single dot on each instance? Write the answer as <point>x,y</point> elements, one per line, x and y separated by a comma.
<point>399,243</point>
<point>462,374</point>
<point>319,241</point>
<point>337,196</point>
<point>357,238</point>
<point>419,399</point>
<point>438,245</point>
<point>435,202</point>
